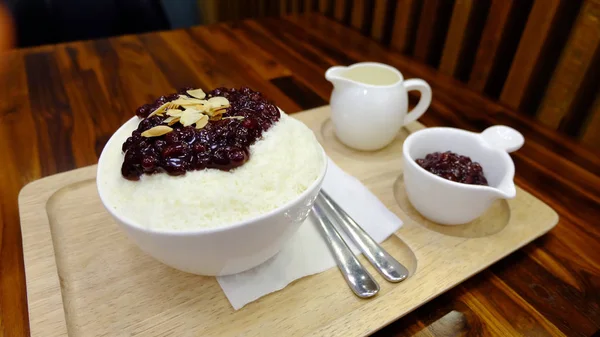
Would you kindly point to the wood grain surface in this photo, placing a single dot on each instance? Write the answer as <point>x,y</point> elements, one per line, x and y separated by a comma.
<point>405,24</point>
<point>491,37</point>
<point>582,48</point>
<point>532,47</point>
<point>59,104</point>
<point>458,32</point>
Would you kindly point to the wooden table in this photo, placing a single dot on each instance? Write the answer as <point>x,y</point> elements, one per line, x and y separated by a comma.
<point>59,105</point>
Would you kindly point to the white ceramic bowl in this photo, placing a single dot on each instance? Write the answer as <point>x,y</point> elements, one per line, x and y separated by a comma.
<point>451,203</point>
<point>223,250</point>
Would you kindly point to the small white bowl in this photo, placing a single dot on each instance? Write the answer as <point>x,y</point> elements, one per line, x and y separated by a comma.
<point>450,203</point>
<point>222,250</point>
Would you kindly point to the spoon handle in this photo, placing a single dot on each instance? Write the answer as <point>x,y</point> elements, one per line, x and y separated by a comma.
<point>357,277</point>
<point>387,265</point>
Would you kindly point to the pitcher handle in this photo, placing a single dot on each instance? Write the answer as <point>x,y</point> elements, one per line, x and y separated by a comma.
<point>425,90</point>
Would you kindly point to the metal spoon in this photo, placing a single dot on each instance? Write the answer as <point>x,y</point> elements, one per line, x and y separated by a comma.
<point>387,265</point>
<point>357,277</point>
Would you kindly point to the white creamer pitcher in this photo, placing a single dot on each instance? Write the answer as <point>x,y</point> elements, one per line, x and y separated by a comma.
<point>369,103</point>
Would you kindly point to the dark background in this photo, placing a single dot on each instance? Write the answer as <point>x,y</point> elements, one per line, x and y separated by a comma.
<point>41,22</point>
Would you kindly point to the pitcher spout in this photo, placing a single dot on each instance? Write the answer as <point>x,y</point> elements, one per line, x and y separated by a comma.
<point>506,190</point>
<point>334,75</point>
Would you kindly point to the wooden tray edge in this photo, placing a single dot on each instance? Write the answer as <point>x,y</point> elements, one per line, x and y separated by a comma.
<point>32,193</point>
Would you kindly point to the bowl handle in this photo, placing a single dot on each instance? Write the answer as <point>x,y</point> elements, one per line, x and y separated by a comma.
<point>503,138</point>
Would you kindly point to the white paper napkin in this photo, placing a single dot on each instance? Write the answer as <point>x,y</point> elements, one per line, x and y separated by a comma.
<point>307,253</point>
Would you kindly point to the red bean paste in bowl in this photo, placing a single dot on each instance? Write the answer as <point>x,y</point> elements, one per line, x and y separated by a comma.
<point>453,167</point>
<point>164,142</point>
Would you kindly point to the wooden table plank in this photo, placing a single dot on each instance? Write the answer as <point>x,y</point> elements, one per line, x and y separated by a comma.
<point>339,11</point>
<point>18,167</point>
<point>404,25</point>
<point>309,5</point>
<point>577,57</point>
<point>379,15</point>
<point>73,96</point>
<point>308,73</point>
<point>531,48</point>
<point>357,17</point>
<point>324,6</point>
<point>138,77</point>
<point>283,8</point>
<point>591,133</point>
<point>492,35</point>
<point>428,23</point>
<point>264,63</point>
<point>224,56</point>
<point>457,33</point>
<point>296,6</point>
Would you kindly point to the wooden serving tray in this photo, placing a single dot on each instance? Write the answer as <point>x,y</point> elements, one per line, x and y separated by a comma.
<point>84,277</point>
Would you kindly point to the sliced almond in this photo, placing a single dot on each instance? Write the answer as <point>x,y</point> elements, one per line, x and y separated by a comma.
<point>156,131</point>
<point>197,93</point>
<point>234,117</point>
<point>202,122</point>
<point>189,101</point>
<point>216,112</point>
<point>218,101</point>
<point>190,117</point>
<point>171,120</point>
<point>201,108</point>
<point>174,112</point>
<point>219,111</point>
<point>161,109</point>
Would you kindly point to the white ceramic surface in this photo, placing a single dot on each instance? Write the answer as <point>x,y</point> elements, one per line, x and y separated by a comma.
<point>222,250</point>
<point>451,203</point>
<point>369,103</point>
